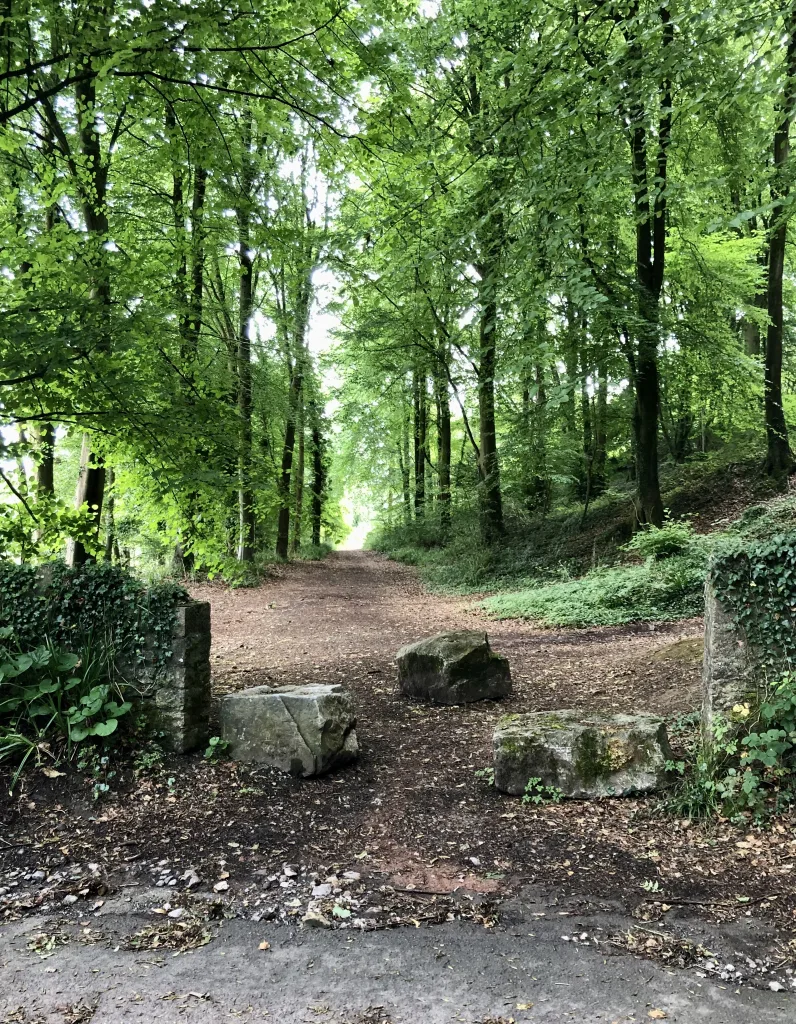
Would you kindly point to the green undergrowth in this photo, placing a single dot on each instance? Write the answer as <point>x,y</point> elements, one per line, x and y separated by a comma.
<point>314,552</point>
<point>68,639</point>
<point>609,597</point>
<point>667,584</point>
<point>567,569</point>
<point>251,574</point>
<point>457,562</point>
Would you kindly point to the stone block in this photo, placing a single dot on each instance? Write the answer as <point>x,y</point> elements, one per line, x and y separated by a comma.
<point>193,649</point>
<point>305,730</point>
<point>453,668</point>
<point>193,618</point>
<point>179,691</point>
<point>585,755</point>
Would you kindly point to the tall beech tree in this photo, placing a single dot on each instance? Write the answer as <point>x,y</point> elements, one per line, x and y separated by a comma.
<point>779,458</point>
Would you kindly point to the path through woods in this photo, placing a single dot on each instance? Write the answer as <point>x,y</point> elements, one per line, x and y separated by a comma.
<point>494,887</point>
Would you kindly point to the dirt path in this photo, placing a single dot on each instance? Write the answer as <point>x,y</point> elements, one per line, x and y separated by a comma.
<point>408,835</point>
<point>345,617</point>
<point>413,802</point>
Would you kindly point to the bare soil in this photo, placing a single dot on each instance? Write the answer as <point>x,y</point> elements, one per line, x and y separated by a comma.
<point>428,839</point>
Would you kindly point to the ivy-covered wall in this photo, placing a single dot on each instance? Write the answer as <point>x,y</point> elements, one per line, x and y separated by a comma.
<point>750,621</point>
<point>101,603</point>
<point>756,584</point>
<point>157,638</point>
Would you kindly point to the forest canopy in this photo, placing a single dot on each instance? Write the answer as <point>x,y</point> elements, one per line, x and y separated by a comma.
<point>552,244</point>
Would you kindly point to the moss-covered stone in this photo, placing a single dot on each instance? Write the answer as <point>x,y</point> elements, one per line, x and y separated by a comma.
<point>583,755</point>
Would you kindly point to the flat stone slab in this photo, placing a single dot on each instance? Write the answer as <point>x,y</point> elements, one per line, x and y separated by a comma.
<point>305,730</point>
<point>453,668</point>
<point>585,755</point>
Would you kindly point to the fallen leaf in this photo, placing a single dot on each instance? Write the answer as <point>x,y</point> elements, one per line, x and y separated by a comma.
<point>51,773</point>
<point>657,1015</point>
<point>524,1006</point>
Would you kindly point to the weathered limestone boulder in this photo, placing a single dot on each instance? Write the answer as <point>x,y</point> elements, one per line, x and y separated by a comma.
<point>727,668</point>
<point>453,668</point>
<point>305,730</point>
<point>585,755</point>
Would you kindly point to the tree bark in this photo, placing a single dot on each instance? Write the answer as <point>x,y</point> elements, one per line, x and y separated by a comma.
<point>301,311</point>
<point>90,491</point>
<point>110,517</point>
<point>246,523</point>
<point>599,480</point>
<point>193,327</point>
<point>298,497</point>
<point>443,445</point>
<point>403,459</point>
<point>45,465</point>
<point>318,477</point>
<point>536,482</point>
<point>93,186</point>
<point>419,434</point>
<point>779,460</point>
<point>650,260</point>
<point>286,471</point>
<point>489,465</point>
<point>587,472</point>
<point>490,241</point>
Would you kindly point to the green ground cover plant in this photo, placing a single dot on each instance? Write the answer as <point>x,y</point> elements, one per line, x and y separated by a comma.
<point>69,637</point>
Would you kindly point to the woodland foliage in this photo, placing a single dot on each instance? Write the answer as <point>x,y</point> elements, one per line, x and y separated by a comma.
<point>553,243</point>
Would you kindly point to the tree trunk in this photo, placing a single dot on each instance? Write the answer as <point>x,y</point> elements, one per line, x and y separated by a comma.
<point>296,372</point>
<point>599,479</point>
<point>244,365</point>
<point>90,491</point>
<point>650,260</point>
<point>91,481</point>
<point>779,460</point>
<point>443,447</point>
<point>298,497</point>
<point>404,463</point>
<point>587,472</point>
<point>569,425</point>
<point>193,327</point>
<point>283,522</point>
<point>536,482</point>
<point>490,240</point>
<point>419,400</point>
<point>110,519</point>
<point>489,466</point>
<point>751,330</point>
<point>318,478</point>
<point>45,465</point>
<point>490,245</point>
<point>645,421</point>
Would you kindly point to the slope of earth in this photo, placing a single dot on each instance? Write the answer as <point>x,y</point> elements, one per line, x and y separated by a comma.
<point>409,834</point>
